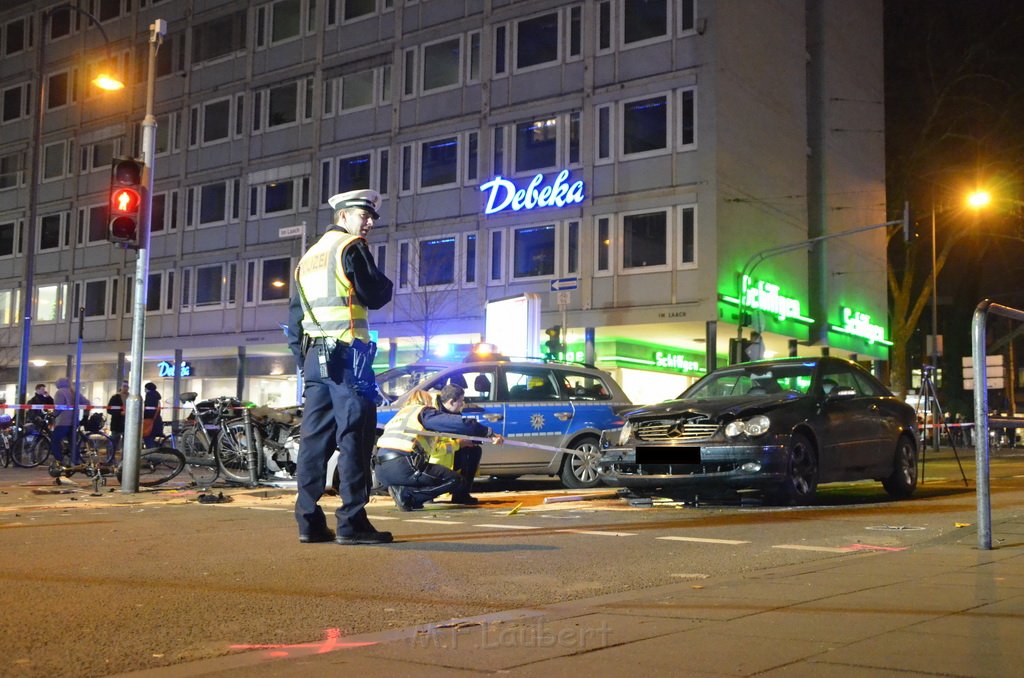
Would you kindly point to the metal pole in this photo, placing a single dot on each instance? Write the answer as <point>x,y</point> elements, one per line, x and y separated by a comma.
<point>935,335</point>
<point>78,385</point>
<point>133,410</point>
<point>981,479</point>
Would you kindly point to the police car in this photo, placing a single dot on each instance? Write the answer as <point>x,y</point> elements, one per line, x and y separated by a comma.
<point>555,404</point>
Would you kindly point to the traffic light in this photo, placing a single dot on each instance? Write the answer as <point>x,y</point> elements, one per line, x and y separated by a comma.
<point>123,220</point>
<point>554,342</point>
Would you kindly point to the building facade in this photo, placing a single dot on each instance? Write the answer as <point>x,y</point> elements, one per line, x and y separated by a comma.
<point>630,164</point>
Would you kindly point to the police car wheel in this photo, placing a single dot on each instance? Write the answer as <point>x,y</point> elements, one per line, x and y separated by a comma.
<point>579,471</point>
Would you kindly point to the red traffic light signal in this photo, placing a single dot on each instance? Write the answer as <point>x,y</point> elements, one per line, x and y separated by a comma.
<point>125,202</point>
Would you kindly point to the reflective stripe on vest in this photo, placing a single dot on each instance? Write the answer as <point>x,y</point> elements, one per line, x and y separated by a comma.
<point>336,311</point>
<point>399,433</point>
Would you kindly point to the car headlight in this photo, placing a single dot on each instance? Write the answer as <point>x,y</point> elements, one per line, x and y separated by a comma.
<point>625,433</point>
<point>755,426</point>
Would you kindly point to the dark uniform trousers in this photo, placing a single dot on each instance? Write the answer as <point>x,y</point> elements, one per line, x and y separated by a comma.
<point>397,470</point>
<point>334,416</point>
<point>467,461</point>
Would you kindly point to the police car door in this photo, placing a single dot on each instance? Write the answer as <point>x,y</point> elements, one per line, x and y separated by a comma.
<point>536,411</point>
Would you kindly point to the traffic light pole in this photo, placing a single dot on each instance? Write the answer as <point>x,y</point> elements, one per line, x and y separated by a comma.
<point>133,408</point>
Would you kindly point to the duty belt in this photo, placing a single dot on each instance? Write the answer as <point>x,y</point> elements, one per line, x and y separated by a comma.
<point>388,455</point>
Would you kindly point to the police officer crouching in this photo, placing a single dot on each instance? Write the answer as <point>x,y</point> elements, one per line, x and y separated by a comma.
<point>402,451</point>
<point>336,282</point>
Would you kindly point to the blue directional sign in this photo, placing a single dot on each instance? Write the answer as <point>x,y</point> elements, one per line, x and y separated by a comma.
<point>562,284</point>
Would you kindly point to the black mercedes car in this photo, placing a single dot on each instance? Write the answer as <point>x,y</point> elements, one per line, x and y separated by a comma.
<point>781,426</point>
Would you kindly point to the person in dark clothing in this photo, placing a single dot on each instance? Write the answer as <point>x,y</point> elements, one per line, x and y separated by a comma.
<point>337,282</point>
<point>115,408</point>
<point>42,398</point>
<point>403,451</point>
<point>152,422</point>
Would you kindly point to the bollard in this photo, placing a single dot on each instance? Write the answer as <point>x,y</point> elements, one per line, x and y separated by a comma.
<point>254,472</point>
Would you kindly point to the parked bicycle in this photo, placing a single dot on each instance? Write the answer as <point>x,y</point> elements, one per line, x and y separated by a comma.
<point>31,446</point>
<point>6,440</point>
<point>211,446</point>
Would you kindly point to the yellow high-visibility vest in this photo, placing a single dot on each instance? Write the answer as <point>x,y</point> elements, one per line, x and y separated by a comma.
<point>330,307</point>
<point>400,432</point>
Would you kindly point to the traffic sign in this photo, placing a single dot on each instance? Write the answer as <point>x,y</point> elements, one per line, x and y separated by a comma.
<point>993,383</point>
<point>289,231</point>
<point>564,298</point>
<point>562,284</point>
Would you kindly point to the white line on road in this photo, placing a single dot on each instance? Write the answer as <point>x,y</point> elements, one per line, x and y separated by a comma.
<point>702,540</point>
<point>801,547</point>
<point>599,533</point>
<point>511,527</point>
<point>431,521</point>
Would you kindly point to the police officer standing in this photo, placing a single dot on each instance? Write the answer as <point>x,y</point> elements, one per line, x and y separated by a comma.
<point>336,282</point>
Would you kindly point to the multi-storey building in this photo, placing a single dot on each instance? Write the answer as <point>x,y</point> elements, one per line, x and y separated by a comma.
<point>686,138</point>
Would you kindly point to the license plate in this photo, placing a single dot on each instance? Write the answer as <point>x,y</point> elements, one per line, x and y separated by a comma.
<point>668,455</point>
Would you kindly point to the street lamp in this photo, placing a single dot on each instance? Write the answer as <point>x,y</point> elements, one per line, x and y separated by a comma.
<point>104,81</point>
<point>133,408</point>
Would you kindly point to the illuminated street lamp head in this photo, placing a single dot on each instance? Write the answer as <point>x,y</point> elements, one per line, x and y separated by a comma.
<point>108,82</point>
<point>979,199</point>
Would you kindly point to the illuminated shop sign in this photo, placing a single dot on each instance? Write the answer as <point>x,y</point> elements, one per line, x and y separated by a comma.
<point>676,361</point>
<point>166,368</point>
<point>506,195</point>
<point>765,296</point>
<point>858,324</point>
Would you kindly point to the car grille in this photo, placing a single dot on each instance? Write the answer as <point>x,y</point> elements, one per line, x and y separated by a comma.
<point>670,430</point>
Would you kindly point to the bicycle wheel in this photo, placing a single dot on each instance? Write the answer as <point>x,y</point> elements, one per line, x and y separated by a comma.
<point>233,452</point>
<point>30,450</point>
<point>158,465</point>
<point>200,461</point>
<point>6,448</point>
<point>99,444</point>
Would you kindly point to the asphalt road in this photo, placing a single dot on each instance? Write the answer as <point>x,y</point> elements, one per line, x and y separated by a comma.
<point>95,585</point>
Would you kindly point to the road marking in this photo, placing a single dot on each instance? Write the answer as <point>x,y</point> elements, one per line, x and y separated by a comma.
<point>599,533</point>
<point>823,549</point>
<point>431,521</point>
<point>377,517</point>
<point>511,527</point>
<point>702,540</point>
<point>269,508</point>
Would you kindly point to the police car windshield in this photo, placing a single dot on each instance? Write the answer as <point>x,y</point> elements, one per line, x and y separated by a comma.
<point>399,381</point>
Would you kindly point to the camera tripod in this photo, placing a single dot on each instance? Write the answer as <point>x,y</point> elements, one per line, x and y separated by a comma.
<point>928,406</point>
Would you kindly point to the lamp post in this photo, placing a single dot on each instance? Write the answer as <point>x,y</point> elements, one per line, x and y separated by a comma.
<point>105,82</point>
<point>133,408</point>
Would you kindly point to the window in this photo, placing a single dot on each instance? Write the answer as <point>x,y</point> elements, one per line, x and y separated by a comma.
<point>409,71</point>
<point>167,134</point>
<point>533,251</point>
<point>645,240</point>
<point>469,247</point>
<point>497,271</point>
<point>604,26</point>
<point>279,197</point>
<point>687,16</point>
<point>158,217</point>
<point>472,157</point>
<point>216,122</point>
<point>95,302</point>
<point>275,279</point>
<point>154,293</point>
<point>687,237</point>
<point>531,383</point>
<point>403,265</point>
<point>58,90</point>
<point>498,152</point>
<point>14,36</point>
<point>357,91</point>
<point>572,247</point>
<point>16,102</point>
<point>644,21</point>
<point>604,133</point>
<point>9,235</point>
<point>436,263</point>
<point>382,171</point>
<point>96,226</point>
<point>53,232</point>
<point>51,302</point>
<point>55,160</point>
<point>603,244</point>
<point>442,64</point>
<point>285,20</point>
<point>575,42</point>
<point>100,155</point>
<point>536,145</point>
<point>687,118</point>
<point>473,65</point>
<point>500,50</point>
<point>61,24</point>
<point>536,41</point>
<point>357,9</point>
<point>10,170</point>
<point>282,105</point>
<point>9,303</point>
<point>282,196</point>
<point>218,37</point>
<point>354,173</point>
<point>209,285</point>
<point>108,9</point>
<point>645,126</point>
<point>212,203</point>
<point>406,169</point>
<point>439,161</point>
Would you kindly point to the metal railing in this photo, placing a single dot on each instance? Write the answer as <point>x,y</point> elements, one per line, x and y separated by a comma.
<point>981,437</point>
